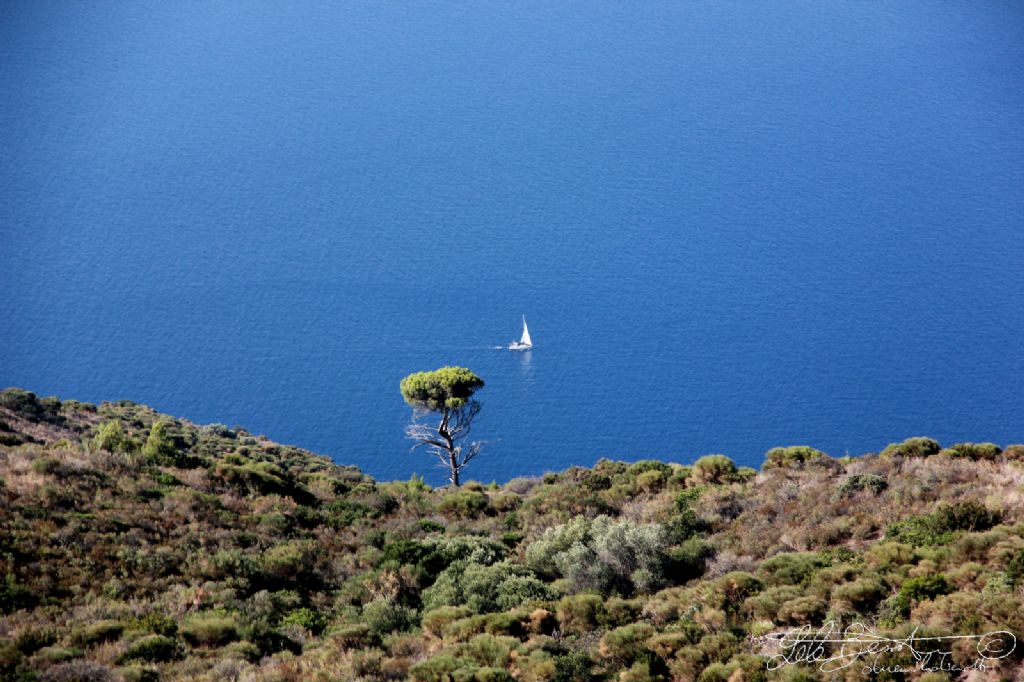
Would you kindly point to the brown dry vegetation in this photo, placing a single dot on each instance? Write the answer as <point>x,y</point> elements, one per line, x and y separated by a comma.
<point>137,546</point>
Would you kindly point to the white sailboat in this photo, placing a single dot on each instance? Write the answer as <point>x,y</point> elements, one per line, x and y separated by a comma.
<point>524,343</point>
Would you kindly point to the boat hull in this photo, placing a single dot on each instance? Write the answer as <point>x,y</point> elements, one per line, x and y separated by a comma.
<point>520,346</point>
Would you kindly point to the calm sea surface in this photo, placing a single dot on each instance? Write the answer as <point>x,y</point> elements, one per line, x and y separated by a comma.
<point>731,225</point>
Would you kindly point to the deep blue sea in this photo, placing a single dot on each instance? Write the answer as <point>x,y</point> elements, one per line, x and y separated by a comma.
<point>731,225</point>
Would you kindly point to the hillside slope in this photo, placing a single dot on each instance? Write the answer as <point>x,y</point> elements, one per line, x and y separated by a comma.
<point>138,546</point>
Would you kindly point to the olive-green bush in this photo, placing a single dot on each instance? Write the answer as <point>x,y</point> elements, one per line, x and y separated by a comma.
<point>913,447</point>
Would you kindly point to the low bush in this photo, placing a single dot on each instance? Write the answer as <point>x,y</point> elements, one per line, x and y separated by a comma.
<point>288,560</point>
<point>913,447</point>
<point>153,649</point>
<point>96,633</point>
<point>973,451</point>
<point>157,623</point>
<point>942,525</point>
<point>21,401</point>
<point>1015,569</point>
<point>443,668</point>
<point>862,594</point>
<point>627,643</point>
<point>485,588</point>
<point>575,666</point>
<point>803,610</point>
<point>463,503</point>
<point>603,555</point>
<point>855,483</point>
<point>791,568</point>
<point>438,620</point>
<point>355,636</point>
<point>384,615</point>
<point>306,618</point>
<point>58,654</point>
<point>209,630</point>
<point>793,457</point>
<point>714,470</point>
<point>31,640</point>
<point>925,587</point>
<point>580,613</point>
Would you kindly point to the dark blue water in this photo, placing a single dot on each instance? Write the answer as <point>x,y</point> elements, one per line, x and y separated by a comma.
<point>730,225</point>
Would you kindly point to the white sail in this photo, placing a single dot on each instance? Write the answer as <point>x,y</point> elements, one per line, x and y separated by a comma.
<point>526,334</point>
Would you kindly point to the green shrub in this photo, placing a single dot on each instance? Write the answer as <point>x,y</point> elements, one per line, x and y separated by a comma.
<point>1015,569</point>
<point>714,469</point>
<point>765,605</point>
<point>791,568</point>
<point>651,481</point>
<point>973,451</point>
<point>430,526</point>
<point>917,531</point>
<point>58,654</point>
<point>485,588</point>
<point>385,615</point>
<point>154,649</point>
<point>941,526</point>
<point>314,621</point>
<point>580,613</point>
<point>97,633</point>
<point>594,482</point>
<point>925,587</point>
<point>255,478</point>
<point>666,644</point>
<point>443,668</point>
<point>969,515</point>
<point>803,610</point>
<point>21,401</point>
<point>31,640</point>
<point>689,559</point>
<point>620,611</point>
<point>427,559</point>
<point>862,594</point>
<point>159,447</point>
<point>246,651</point>
<point>859,482</point>
<point>1014,453</point>
<point>209,630</point>
<point>491,651</point>
<point>575,666</point>
<point>646,465</point>
<point>603,555</point>
<point>46,466</point>
<point>165,479</point>
<point>728,592</point>
<point>111,436</point>
<point>356,636</point>
<point>288,560</point>
<point>438,620</point>
<point>627,643</point>
<point>913,447</point>
<point>463,503</point>
<point>794,457</point>
<point>157,623</point>
<point>15,596</point>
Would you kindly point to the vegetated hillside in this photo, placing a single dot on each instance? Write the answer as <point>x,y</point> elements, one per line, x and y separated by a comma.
<point>138,546</point>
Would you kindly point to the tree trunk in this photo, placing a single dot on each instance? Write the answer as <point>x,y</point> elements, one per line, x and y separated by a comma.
<point>445,432</point>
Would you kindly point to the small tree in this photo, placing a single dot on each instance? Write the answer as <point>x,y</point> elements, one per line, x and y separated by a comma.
<point>447,392</point>
<point>159,448</point>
